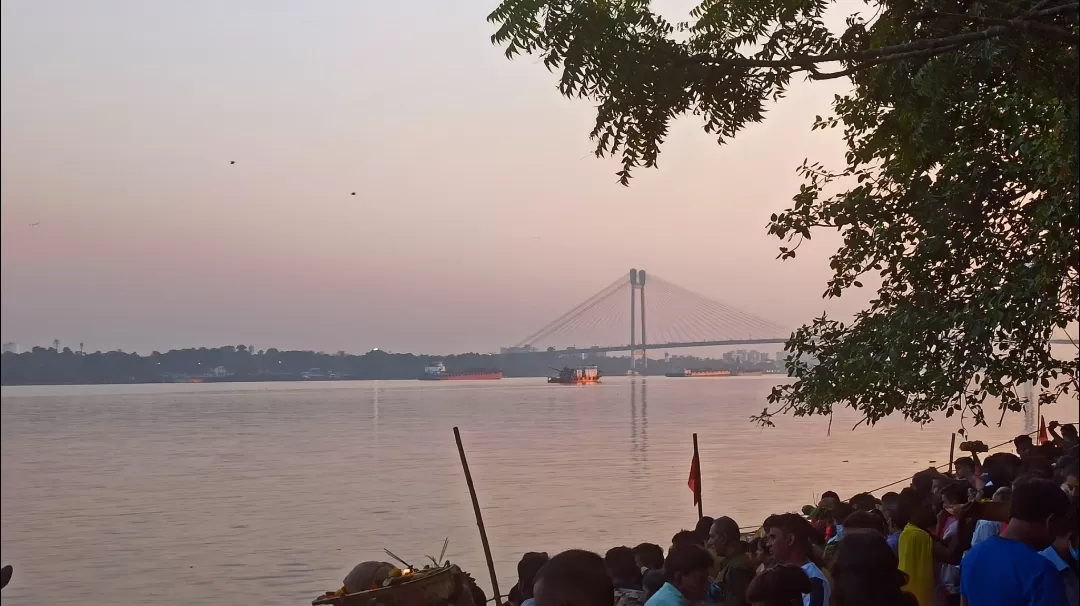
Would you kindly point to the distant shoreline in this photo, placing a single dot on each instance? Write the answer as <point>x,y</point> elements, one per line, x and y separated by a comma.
<point>241,364</point>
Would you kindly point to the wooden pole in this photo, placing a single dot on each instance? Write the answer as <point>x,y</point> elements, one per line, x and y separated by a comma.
<point>952,450</point>
<point>479,518</point>
<point>700,514</point>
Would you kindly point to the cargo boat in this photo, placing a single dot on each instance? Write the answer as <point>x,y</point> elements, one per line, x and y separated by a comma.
<point>586,375</point>
<point>438,372</point>
<point>690,372</point>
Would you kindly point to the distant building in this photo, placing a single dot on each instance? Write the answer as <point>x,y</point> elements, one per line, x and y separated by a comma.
<point>10,347</point>
<point>219,371</point>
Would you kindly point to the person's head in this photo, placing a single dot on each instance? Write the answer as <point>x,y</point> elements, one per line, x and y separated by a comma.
<point>652,582</point>
<point>865,572</point>
<point>890,504</point>
<point>687,569</point>
<point>865,521</point>
<point>686,537</point>
<point>1068,539</point>
<point>864,501</point>
<point>828,494</point>
<point>527,567</point>
<point>923,481</point>
<point>1038,511</point>
<point>1069,432</point>
<point>724,536</point>
<point>1070,485</point>
<point>574,578</point>
<point>915,508</point>
<point>754,550</point>
<point>621,566</point>
<point>702,529</point>
<point>954,494</point>
<point>788,536</point>
<point>1002,495</point>
<point>781,585</point>
<point>1024,445</point>
<point>649,556</point>
<point>840,512</point>
<point>965,468</point>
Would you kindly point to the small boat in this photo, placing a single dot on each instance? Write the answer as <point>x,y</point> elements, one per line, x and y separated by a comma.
<point>690,372</point>
<point>438,372</point>
<point>586,375</point>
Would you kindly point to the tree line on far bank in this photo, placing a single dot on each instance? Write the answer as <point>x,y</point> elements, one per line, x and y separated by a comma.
<point>47,366</point>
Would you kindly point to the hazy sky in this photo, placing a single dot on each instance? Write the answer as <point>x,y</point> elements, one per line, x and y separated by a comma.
<point>475,186</point>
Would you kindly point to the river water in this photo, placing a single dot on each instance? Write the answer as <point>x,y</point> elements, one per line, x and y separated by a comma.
<point>270,493</point>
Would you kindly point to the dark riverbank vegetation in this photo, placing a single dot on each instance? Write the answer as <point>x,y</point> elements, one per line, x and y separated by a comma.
<point>957,199</point>
<point>47,366</point>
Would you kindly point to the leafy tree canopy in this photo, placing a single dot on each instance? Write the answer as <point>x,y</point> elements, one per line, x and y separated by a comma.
<point>959,188</point>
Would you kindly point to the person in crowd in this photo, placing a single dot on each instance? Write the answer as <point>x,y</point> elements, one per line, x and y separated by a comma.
<point>5,575</point>
<point>529,564</point>
<point>649,556</point>
<point>780,585</point>
<point>1071,480</point>
<point>686,537</point>
<point>953,498</point>
<point>574,578</point>
<point>895,522</point>
<point>964,468</point>
<point>652,582</point>
<point>625,576</point>
<point>702,529</point>
<point>840,513</point>
<point>984,529</point>
<point>857,522</point>
<point>1062,553</point>
<point>864,501</point>
<point>736,568</point>
<point>754,551</point>
<point>923,481</point>
<point>1008,569</point>
<point>1024,445</point>
<point>788,536</point>
<point>828,494</point>
<point>865,572</point>
<point>686,572</point>
<point>1068,439</point>
<point>919,551</point>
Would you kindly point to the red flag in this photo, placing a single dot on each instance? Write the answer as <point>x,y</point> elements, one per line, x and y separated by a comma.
<point>1043,436</point>
<point>695,473</point>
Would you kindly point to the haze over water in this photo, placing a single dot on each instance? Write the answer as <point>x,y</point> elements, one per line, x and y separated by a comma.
<point>269,493</point>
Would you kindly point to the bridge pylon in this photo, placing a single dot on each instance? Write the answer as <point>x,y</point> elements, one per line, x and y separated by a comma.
<point>637,289</point>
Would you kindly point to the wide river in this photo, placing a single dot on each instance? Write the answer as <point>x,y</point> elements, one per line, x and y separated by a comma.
<point>269,493</point>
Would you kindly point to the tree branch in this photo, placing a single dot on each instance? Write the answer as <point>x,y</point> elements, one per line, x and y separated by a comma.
<point>890,53</point>
<point>851,70</point>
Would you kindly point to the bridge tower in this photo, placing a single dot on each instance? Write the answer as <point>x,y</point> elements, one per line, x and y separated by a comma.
<point>637,285</point>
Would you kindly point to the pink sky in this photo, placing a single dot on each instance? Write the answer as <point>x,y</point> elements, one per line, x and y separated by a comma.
<point>474,183</point>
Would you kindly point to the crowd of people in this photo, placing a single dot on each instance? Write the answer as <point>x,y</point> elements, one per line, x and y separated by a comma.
<point>995,532</point>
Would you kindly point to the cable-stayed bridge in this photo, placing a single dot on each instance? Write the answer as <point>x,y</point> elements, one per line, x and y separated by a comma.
<point>647,312</point>
<point>620,317</point>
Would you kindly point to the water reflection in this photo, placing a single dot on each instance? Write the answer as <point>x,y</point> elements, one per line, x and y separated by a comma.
<point>639,426</point>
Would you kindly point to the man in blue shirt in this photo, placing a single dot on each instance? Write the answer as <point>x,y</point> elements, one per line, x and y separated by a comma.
<point>1008,570</point>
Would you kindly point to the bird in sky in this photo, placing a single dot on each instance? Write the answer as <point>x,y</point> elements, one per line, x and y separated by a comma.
<point>35,224</point>
<point>353,194</point>
<point>232,161</point>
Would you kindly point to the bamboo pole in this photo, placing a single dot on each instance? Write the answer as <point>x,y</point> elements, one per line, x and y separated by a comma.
<point>479,518</point>
<point>952,451</point>
<point>697,459</point>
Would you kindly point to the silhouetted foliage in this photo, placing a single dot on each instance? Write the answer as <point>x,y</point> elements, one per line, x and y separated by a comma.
<point>959,190</point>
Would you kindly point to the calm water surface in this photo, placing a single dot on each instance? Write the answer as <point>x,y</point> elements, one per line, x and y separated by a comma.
<point>269,493</point>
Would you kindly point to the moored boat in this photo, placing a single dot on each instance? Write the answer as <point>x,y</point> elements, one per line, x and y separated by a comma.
<point>586,375</point>
<point>691,372</point>
<point>438,372</point>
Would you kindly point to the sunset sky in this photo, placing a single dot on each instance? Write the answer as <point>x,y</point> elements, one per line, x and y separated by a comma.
<point>479,215</point>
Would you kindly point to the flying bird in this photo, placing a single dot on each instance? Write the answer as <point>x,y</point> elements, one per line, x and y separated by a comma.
<point>353,194</point>
<point>35,224</point>
<point>232,161</point>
